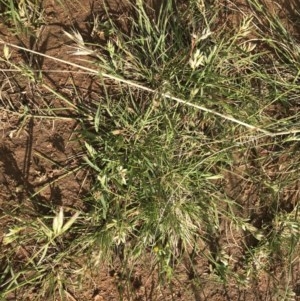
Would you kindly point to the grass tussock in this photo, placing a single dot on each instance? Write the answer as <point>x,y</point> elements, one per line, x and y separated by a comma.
<point>192,150</point>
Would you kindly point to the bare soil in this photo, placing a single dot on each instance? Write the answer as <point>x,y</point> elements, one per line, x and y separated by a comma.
<point>41,157</point>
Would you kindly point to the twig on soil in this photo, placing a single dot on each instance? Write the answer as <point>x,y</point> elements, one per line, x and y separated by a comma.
<point>166,95</point>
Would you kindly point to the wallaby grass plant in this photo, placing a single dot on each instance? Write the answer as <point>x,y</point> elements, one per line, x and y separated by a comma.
<point>160,167</point>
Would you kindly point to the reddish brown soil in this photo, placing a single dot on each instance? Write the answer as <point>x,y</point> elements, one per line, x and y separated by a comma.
<point>40,157</point>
